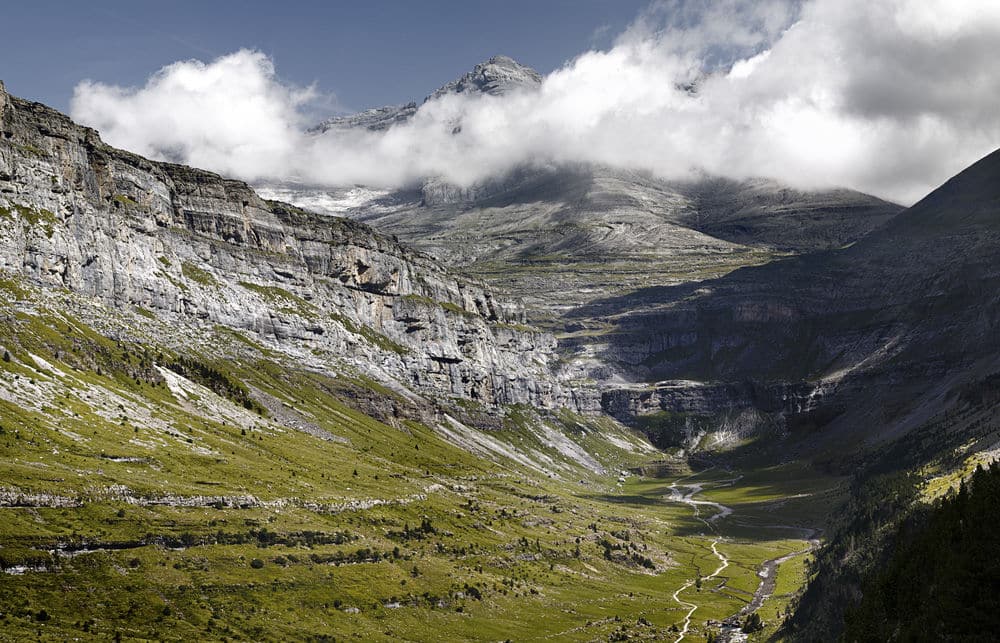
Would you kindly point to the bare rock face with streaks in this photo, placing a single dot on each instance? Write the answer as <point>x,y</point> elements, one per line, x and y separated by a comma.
<point>181,242</point>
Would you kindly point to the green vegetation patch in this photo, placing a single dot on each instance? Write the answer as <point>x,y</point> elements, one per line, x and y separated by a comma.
<point>427,301</point>
<point>667,429</point>
<point>125,200</point>
<point>455,308</point>
<point>371,335</point>
<point>198,275</point>
<point>31,149</point>
<point>33,218</point>
<point>12,287</point>
<point>215,377</point>
<point>243,527</point>
<point>446,305</point>
<point>521,328</point>
<point>287,301</point>
<point>145,312</point>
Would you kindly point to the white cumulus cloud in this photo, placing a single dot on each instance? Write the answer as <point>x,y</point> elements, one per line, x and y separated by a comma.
<point>886,96</point>
<point>233,114</point>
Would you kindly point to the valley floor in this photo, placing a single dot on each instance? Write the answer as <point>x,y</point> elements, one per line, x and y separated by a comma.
<point>487,559</point>
<point>192,483</point>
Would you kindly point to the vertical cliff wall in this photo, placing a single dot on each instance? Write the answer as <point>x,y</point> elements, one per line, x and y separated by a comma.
<point>78,214</point>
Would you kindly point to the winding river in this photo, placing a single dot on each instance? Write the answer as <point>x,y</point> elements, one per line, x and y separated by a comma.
<point>731,632</point>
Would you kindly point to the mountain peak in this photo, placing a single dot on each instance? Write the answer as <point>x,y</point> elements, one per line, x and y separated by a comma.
<point>496,76</point>
<point>976,188</point>
<point>954,217</point>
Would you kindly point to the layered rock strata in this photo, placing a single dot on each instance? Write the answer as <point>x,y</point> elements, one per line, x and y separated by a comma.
<point>76,213</point>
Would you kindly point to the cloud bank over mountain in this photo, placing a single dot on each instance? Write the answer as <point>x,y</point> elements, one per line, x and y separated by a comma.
<point>889,97</point>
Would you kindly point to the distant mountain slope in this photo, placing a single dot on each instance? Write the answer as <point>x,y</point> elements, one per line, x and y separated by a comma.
<point>651,231</point>
<point>762,211</point>
<point>886,334</point>
<point>931,270</point>
<point>562,237</point>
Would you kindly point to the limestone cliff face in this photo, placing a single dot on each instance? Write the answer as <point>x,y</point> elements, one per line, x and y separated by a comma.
<point>78,214</point>
<point>713,398</point>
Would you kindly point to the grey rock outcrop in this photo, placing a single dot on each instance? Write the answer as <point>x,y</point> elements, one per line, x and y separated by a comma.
<point>376,119</point>
<point>709,399</point>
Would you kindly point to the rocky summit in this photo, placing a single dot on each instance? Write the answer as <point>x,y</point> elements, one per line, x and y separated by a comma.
<point>497,76</point>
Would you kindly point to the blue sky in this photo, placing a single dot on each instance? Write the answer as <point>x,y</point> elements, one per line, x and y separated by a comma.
<point>368,53</point>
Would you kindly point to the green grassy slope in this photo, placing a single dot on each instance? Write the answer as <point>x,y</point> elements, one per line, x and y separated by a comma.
<point>165,483</point>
